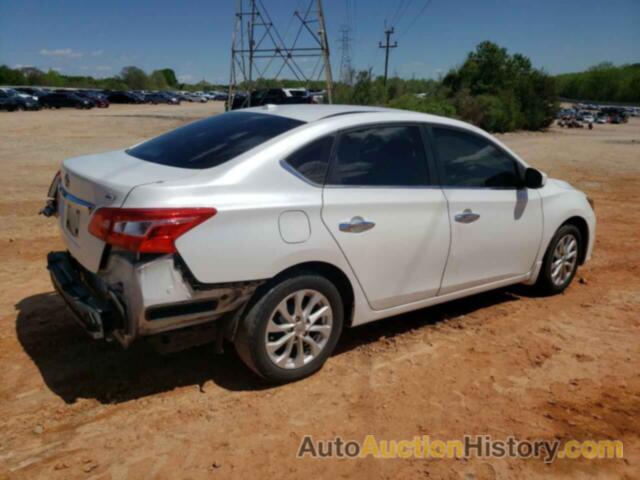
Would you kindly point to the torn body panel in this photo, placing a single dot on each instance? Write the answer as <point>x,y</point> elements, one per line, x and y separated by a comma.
<point>148,295</point>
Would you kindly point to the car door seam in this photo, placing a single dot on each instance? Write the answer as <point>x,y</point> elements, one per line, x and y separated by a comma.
<point>446,263</point>
<point>353,271</point>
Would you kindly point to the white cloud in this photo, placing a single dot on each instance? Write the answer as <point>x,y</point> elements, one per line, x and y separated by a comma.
<point>185,78</point>
<point>61,53</point>
<point>97,53</point>
<point>19,66</point>
<point>103,68</point>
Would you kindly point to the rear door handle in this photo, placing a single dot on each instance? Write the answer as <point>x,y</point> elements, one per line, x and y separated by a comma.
<point>467,216</point>
<point>356,225</point>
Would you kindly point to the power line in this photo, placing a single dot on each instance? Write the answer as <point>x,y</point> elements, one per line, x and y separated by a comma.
<point>392,20</point>
<point>415,19</point>
<point>402,13</point>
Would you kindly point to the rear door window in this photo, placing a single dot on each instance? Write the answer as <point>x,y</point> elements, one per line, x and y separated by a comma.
<point>213,141</point>
<point>391,156</point>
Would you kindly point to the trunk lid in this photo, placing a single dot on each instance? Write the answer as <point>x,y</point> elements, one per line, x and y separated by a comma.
<point>93,181</point>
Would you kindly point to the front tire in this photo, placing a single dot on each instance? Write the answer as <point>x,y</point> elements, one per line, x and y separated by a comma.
<point>560,261</point>
<point>292,328</point>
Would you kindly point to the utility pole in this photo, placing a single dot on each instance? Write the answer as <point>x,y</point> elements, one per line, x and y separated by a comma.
<point>325,52</point>
<point>388,32</point>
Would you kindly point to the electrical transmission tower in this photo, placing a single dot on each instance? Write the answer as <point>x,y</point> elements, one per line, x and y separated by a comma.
<point>387,46</point>
<point>259,51</point>
<point>346,70</point>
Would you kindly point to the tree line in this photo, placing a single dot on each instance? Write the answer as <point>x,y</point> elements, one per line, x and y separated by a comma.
<point>130,78</point>
<point>492,88</point>
<point>603,82</point>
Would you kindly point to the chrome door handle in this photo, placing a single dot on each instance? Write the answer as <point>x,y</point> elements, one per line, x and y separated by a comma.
<point>356,225</point>
<point>467,216</point>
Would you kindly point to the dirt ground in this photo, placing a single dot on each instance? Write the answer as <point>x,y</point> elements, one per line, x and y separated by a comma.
<point>504,363</point>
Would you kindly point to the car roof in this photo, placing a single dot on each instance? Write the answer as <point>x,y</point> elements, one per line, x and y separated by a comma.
<point>312,113</point>
<point>352,115</point>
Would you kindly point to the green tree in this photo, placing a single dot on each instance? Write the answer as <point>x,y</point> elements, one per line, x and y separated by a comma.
<point>10,76</point>
<point>434,105</point>
<point>53,79</point>
<point>169,77</point>
<point>502,92</point>
<point>157,81</point>
<point>135,78</point>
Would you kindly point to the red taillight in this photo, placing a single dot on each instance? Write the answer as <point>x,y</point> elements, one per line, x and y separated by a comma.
<point>146,230</point>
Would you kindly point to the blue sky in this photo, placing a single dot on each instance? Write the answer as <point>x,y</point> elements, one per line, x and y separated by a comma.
<point>193,37</point>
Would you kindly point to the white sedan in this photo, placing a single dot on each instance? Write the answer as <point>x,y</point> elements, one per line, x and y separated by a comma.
<point>275,227</point>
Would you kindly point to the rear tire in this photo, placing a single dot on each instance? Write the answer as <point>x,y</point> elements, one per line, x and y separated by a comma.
<point>560,261</point>
<point>291,327</point>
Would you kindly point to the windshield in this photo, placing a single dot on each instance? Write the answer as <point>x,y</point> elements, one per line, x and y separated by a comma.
<point>213,141</point>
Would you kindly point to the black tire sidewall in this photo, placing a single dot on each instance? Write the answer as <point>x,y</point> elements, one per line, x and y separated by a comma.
<point>545,282</point>
<point>250,339</point>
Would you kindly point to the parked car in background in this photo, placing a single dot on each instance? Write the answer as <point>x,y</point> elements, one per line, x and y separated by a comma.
<point>275,96</point>
<point>220,96</point>
<point>162,97</point>
<point>602,118</point>
<point>123,97</point>
<point>11,101</point>
<point>588,118</point>
<point>616,114</point>
<point>192,97</point>
<point>317,95</point>
<point>61,99</point>
<point>26,96</point>
<point>178,96</point>
<point>34,92</point>
<point>277,226</point>
<point>98,99</point>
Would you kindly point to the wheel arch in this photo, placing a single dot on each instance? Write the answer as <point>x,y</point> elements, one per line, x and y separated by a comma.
<point>583,227</point>
<point>332,273</point>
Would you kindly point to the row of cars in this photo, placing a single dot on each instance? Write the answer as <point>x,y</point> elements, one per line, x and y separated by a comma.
<point>582,114</point>
<point>169,97</point>
<point>276,96</point>
<point>33,98</point>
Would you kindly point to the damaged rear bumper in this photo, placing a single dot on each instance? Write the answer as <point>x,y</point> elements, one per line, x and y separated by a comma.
<point>90,311</point>
<point>132,297</point>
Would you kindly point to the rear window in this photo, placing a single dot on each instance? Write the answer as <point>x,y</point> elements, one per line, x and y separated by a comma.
<point>213,141</point>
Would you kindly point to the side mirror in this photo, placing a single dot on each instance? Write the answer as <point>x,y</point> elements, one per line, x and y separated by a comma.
<point>534,178</point>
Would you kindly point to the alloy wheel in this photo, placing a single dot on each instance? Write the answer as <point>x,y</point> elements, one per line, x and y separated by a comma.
<point>565,257</point>
<point>298,329</point>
